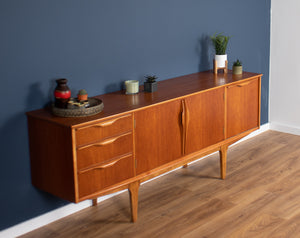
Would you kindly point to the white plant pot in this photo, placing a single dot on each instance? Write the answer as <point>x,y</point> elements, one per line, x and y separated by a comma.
<point>132,86</point>
<point>221,59</point>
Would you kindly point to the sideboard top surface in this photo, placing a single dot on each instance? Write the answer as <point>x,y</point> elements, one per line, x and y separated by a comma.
<point>118,102</point>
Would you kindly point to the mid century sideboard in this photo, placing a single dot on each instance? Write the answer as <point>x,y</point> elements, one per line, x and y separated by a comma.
<point>137,137</point>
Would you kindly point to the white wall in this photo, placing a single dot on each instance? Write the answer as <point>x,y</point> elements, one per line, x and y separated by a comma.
<point>285,66</point>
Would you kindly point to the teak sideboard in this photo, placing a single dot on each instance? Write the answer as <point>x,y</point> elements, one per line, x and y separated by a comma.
<point>137,137</point>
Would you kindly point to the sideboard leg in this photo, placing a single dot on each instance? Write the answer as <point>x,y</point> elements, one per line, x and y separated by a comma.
<point>95,202</point>
<point>133,191</point>
<point>223,158</point>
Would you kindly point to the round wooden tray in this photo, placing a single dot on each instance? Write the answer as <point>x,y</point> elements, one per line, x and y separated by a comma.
<point>95,106</point>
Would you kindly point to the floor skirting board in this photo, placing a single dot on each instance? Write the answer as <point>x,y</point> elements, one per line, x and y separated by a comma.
<point>285,128</point>
<point>69,209</point>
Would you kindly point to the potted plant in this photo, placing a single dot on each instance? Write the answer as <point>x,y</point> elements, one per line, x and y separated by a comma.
<point>220,44</point>
<point>82,95</point>
<point>150,85</point>
<point>237,67</point>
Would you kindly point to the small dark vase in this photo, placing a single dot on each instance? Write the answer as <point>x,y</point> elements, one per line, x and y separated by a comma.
<point>62,93</point>
<point>150,87</point>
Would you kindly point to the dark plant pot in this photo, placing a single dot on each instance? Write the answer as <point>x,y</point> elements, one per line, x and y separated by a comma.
<point>150,87</point>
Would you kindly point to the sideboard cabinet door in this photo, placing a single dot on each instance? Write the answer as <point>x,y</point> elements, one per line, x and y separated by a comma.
<point>158,135</point>
<point>204,119</point>
<point>243,101</point>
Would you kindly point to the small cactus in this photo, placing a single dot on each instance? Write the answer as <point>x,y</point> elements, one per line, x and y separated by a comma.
<point>82,92</point>
<point>82,95</point>
<point>237,63</point>
<point>150,78</point>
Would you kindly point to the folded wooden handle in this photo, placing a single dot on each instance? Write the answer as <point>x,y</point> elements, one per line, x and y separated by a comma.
<point>106,123</point>
<point>243,84</point>
<point>105,165</point>
<point>108,165</point>
<point>104,142</point>
<point>183,113</point>
<point>108,141</point>
<point>240,84</point>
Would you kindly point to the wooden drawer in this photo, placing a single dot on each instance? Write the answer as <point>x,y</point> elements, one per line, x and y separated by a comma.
<point>103,129</point>
<point>93,180</point>
<point>104,150</point>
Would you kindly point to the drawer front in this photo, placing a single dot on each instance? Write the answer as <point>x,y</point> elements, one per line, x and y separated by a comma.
<point>105,150</point>
<point>108,128</point>
<point>95,179</point>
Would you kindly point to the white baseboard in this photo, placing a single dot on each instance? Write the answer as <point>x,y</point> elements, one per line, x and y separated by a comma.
<point>45,219</point>
<point>285,128</point>
<point>263,128</point>
<point>69,209</point>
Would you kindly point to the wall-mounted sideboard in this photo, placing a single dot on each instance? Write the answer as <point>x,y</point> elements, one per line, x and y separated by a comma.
<point>137,137</point>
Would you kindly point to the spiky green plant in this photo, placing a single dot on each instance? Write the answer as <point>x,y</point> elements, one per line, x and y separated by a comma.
<point>220,43</point>
<point>237,63</point>
<point>150,78</point>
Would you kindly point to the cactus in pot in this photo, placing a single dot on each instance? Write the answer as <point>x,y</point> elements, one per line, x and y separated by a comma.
<point>150,85</point>
<point>237,67</point>
<point>82,95</point>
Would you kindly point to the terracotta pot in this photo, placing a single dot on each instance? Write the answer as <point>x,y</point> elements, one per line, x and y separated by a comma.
<point>83,97</point>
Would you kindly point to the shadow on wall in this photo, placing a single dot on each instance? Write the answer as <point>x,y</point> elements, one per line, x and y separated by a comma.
<point>24,201</point>
<point>114,87</point>
<point>35,97</point>
<point>203,51</point>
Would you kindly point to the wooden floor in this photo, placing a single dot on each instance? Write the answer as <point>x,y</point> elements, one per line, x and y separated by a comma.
<point>259,198</point>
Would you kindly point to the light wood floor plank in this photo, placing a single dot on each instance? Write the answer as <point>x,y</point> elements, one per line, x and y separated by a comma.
<point>259,198</point>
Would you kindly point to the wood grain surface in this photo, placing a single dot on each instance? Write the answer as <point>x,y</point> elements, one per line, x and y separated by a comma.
<point>243,102</point>
<point>118,102</point>
<point>259,198</point>
<point>158,136</point>
<point>205,119</point>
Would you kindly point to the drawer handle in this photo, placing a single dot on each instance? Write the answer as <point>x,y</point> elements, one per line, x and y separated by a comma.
<point>103,166</point>
<point>106,123</point>
<point>108,165</point>
<point>243,84</point>
<point>240,85</point>
<point>105,142</point>
<point>109,123</point>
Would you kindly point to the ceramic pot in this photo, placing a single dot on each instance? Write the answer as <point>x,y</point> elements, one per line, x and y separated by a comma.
<point>62,93</point>
<point>150,87</point>
<point>132,86</point>
<point>237,69</point>
<point>82,97</point>
<point>221,59</point>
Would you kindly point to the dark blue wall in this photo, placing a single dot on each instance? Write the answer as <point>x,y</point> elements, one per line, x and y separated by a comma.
<point>97,44</point>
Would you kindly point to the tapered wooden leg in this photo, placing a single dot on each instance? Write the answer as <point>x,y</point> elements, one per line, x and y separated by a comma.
<point>133,191</point>
<point>223,158</point>
<point>95,202</point>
